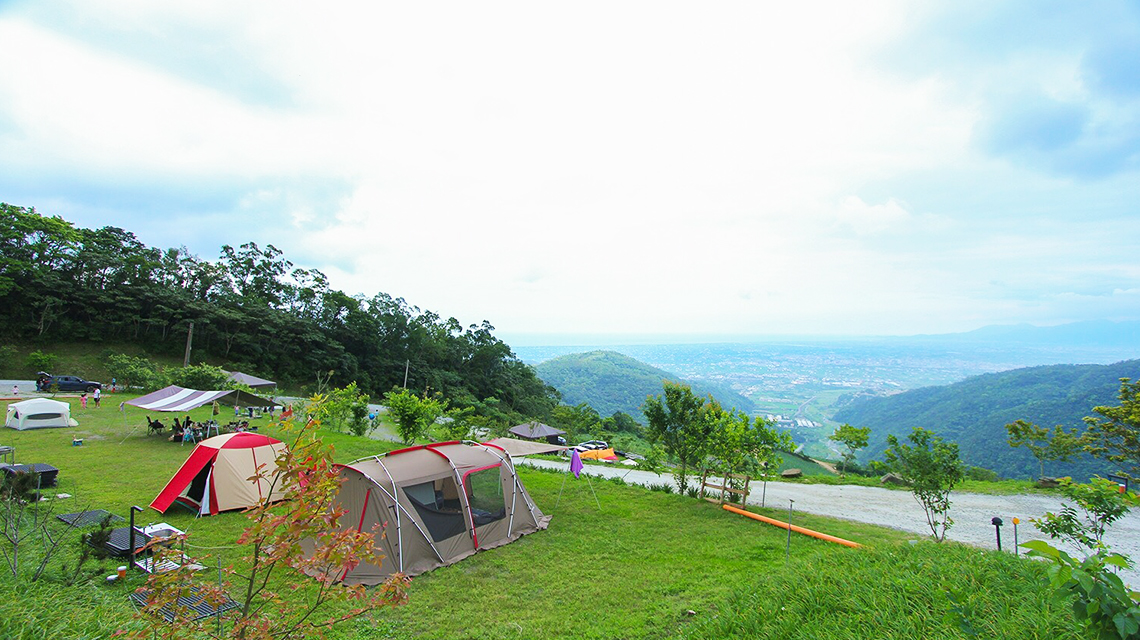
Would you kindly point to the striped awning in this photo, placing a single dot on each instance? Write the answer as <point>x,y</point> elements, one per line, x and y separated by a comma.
<point>175,398</point>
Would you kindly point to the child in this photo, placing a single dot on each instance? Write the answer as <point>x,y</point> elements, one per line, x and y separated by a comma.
<point>98,396</point>
<point>83,400</point>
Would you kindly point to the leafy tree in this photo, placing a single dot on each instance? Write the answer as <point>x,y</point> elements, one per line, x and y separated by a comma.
<point>1114,435</point>
<point>133,371</point>
<point>680,422</point>
<point>198,376</point>
<point>578,420</point>
<point>932,467</point>
<point>1101,503</point>
<point>854,438</point>
<point>412,414</point>
<point>40,361</point>
<point>1058,445</point>
<point>345,408</point>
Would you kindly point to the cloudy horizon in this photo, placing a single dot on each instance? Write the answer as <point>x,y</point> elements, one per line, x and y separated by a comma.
<point>609,168</point>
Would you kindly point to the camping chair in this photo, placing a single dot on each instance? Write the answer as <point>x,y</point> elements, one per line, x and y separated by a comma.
<point>212,425</point>
<point>188,435</point>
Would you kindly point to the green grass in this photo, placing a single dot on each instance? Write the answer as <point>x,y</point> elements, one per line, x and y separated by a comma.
<point>632,568</point>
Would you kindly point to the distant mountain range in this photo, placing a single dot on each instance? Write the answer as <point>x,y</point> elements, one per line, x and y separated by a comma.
<point>974,412</point>
<point>1092,333</point>
<point>609,382</point>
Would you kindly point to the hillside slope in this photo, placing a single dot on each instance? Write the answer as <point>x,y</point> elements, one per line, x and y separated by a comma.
<point>609,381</point>
<point>974,413</point>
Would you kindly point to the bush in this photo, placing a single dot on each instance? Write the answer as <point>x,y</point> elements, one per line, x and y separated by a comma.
<point>40,361</point>
<point>133,371</point>
<point>198,376</point>
<point>981,473</point>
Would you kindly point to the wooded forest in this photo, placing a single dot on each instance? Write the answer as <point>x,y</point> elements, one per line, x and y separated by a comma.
<point>253,310</point>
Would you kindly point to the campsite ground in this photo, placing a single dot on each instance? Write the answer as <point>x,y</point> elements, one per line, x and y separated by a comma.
<point>632,565</point>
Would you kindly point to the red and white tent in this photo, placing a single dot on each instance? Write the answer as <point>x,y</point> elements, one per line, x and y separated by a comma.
<point>216,476</point>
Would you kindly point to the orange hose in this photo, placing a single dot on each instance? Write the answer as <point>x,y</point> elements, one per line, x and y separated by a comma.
<point>785,525</point>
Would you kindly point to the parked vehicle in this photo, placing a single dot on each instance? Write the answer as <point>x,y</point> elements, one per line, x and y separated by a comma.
<point>591,445</point>
<point>45,381</point>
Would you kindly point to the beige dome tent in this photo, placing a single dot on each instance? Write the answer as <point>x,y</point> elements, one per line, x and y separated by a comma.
<point>39,413</point>
<point>429,521</point>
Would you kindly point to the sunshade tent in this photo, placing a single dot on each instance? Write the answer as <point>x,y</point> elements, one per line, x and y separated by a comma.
<point>217,475</point>
<point>438,504</point>
<point>175,398</point>
<point>537,431</point>
<point>39,413</point>
<point>253,382</point>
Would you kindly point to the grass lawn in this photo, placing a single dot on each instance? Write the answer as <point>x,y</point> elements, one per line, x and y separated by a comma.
<point>633,568</point>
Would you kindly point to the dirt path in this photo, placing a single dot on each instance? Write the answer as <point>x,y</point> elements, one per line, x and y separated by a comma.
<point>971,512</point>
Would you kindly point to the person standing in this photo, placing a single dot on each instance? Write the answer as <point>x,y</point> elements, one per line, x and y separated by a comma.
<point>98,396</point>
<point>83,400</point>
<point>15,389</point>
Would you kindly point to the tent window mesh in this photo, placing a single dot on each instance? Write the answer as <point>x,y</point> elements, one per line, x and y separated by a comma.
<point>485,494</point>
<point>437,504</point>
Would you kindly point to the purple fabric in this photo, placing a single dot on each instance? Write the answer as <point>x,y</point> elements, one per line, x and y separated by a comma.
<point>575,463</point>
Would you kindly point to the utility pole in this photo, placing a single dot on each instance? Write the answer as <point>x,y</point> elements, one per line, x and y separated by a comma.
<point>407,363</point>
<point>189,341</point>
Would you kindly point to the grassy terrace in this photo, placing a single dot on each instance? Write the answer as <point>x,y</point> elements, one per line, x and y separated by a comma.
<point>634,568</point>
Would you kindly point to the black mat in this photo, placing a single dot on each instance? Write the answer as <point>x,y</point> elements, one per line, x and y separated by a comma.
<point>86,518</point>
<point>192,606</point>
<point>47,472</point>
<point>119,544</point>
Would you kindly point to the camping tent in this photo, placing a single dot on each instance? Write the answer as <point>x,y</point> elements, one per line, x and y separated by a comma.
<point>537,431</point>
<point>175,398</point>
<point>39,413</point>
<point>439,503</point>
<point>216,476</point>
<point>600,454</point>
<point>253,382</point>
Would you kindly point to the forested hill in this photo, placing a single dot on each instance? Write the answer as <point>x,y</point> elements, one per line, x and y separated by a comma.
<point>974,413</point>
<point>252,310</point>
<point>609,382</point>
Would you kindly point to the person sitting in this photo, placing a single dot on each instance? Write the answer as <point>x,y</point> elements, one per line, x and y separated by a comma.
<point>177,432</point>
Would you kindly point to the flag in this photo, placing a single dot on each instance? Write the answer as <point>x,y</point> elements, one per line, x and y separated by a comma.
<point>575,463</point>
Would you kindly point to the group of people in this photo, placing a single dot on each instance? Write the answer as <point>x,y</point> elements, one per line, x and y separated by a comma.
<point>97,396</point>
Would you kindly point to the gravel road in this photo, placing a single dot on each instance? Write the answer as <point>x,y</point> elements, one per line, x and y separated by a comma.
<point>971,512</point>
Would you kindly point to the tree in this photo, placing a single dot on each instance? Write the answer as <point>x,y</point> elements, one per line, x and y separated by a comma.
<point>1114,435</point>
<point>1101,503</point>
<point>198,376</point>
<point>413,415</point>
<point>932,467</point>
<point>346,407</point>
<point>854,438</point>
<point>1060,445</point>
<point>680,422</point>
<point>296,553</point>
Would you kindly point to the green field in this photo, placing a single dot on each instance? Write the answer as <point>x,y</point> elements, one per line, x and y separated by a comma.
<point>633,568</point>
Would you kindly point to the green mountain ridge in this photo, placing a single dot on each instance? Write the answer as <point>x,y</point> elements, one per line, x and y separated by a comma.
<point>609,382</point>
<point>974,413</point>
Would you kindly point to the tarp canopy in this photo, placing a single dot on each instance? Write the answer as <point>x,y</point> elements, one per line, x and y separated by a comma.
<point>600,454</point>
<point>39,413</point>
<point>175,398</point>
<point>535,431</point>
<point>524,447</point>
<point>253,382</point>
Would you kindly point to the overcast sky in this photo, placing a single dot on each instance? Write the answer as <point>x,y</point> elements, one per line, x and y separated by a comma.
<point>611,167</point>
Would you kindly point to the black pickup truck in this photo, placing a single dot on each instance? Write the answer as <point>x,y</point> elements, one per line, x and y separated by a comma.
<point>44,382</point>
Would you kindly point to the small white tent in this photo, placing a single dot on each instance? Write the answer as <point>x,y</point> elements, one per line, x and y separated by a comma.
<point>39,413</point>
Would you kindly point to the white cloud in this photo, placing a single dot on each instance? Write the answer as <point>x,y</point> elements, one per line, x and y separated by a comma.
<point>640,167</point>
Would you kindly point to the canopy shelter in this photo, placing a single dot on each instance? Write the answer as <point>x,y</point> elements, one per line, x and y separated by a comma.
<point>219,475</point>
<point>39,413</point>
<point>253,382</point>
<point>437,504</point>
<point>519,448</point>
<point>537,431</point>
<point>175,398</point>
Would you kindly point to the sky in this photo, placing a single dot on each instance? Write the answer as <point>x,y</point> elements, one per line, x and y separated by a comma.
<point>728,168</point>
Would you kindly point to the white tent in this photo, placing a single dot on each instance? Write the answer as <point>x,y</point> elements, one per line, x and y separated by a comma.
<point>39,413</point>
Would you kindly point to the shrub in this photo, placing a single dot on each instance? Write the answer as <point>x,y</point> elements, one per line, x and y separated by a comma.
<point>133,371</point>
<point>981,473</point>
<point>932,467</point>
<point>40,361</point>
<point>198,376</point>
